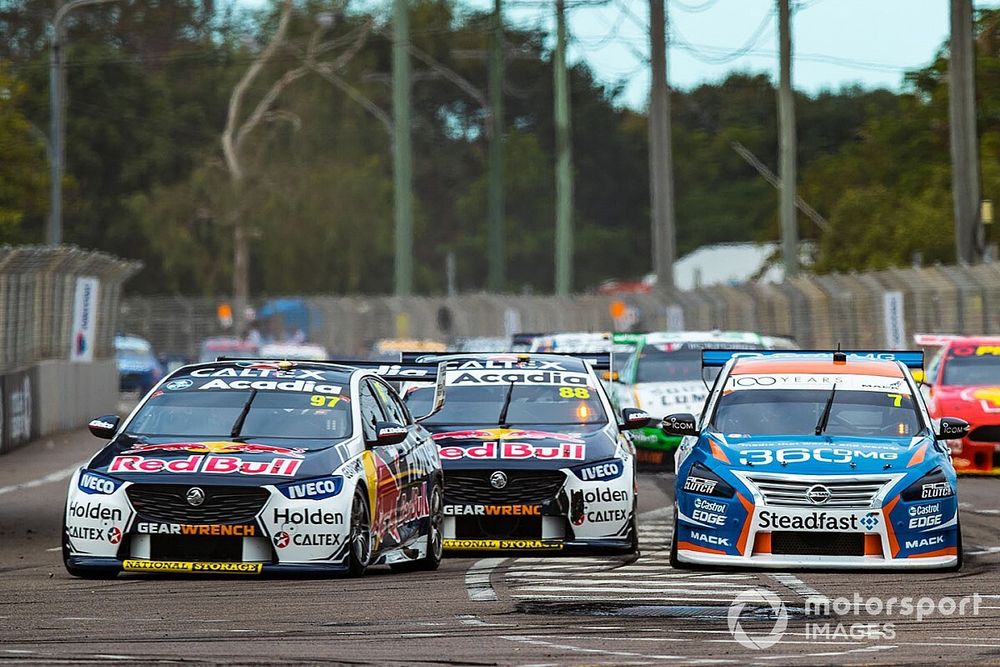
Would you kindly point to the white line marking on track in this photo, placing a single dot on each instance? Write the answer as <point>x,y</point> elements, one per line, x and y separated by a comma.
<point>48,479</point>
<point>477,580</point>
<point>54,549</point>
<point>580,649</point>
<point>796,584</point>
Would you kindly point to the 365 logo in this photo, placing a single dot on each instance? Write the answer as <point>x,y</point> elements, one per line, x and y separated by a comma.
<point>760,599</point>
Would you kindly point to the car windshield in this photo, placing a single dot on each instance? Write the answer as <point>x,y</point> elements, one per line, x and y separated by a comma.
<point>798,411</point>
<point>529,404</point>
<point>959,371</point>
<point>657,363</point>
<point>273,414</point>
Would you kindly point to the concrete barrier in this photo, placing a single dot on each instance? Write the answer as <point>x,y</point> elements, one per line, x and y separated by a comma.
<point>68,395</point>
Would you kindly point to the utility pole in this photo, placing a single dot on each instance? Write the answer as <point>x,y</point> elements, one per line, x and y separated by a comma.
<point>661,170</point>
<point>564,161</point>
<point>497,139</point>
<point>965,184</point>
<point>402,148</point>
<point>57,123</point>
<point>786,127</point>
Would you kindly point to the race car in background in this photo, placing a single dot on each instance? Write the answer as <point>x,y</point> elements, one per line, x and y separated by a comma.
<point>226,346</point>
<point>258,466</point>
<point>619,345</point>
<point>138,367</point>
<point>815,459</point>
<point>963,380</point>
<point>664,374</point>
<point>534,458</point>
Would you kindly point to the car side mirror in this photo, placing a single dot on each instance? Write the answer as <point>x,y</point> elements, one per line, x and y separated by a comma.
<point>633,418</point>
<point>104,427</point>
<point>609,376</point>
<point>919,376</point>
<point>952,428</point>
<point>682,424</point>
<point>388,433</point>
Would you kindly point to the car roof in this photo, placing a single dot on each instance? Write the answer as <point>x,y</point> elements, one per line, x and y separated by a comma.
<point>343,371</point>
<point>796,364</point>
<point>659,337</point>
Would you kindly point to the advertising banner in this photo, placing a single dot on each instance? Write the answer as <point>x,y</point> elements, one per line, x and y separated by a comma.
<point>18,423</point>
<point>84,331</point>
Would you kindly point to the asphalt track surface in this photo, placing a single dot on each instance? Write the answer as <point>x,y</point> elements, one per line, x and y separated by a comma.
<point>502,611</point>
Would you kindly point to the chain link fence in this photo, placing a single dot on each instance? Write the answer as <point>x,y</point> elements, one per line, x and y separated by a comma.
<point>37,292</point>
<point>857,310</point>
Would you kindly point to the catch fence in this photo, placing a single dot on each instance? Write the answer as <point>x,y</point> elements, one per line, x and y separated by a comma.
<point>40,290</point>
<point>856,310</point>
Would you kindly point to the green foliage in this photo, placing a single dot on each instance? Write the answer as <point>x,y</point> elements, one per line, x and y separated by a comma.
<point>149,85</point>
<point>23,167</point>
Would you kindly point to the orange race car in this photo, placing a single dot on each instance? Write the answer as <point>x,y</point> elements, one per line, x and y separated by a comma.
<point>963,380</point>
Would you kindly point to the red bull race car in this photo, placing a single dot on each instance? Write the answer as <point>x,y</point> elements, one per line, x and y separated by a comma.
<point>251,467</point>
<point>535,460</point>
<point>963,380</point>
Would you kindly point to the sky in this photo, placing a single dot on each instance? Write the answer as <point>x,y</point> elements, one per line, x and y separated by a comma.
<point>835,42</point>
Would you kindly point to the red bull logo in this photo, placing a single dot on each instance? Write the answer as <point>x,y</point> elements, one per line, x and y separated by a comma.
<point>498,434</point>
<point>516,451</point>
<point>213,465</point>
<point>218,448</point>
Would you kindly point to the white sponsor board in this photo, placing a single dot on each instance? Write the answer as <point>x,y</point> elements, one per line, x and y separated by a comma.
<point>895,326</point>
<point>83,335</point>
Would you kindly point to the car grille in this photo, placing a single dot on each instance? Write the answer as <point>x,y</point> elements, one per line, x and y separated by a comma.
<point>985,434</point>
<point>223,504</point>
<point>789,543</point>
<point>523,487</point>
<point>791,492</point>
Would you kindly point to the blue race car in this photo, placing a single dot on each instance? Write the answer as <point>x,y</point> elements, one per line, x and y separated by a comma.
<point>815,460</point>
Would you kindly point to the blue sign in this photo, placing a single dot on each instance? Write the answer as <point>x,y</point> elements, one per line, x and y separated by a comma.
<point>313,489</point>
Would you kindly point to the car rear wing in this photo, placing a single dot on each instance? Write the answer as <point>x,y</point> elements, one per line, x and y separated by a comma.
<point>934,340</point>
<point>599,361</point>
<point>912,359</point>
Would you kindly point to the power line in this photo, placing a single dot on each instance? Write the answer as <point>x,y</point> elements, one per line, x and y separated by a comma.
<point>751,42</point>
<point>693,9</point>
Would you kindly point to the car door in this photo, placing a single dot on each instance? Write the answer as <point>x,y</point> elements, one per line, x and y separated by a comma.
<point>403,492</point>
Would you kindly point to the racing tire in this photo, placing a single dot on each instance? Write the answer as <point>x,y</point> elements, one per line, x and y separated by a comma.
<point>958,564</point>
<point>83,572</point>
<point>435,536</point>
<point>634,531</point>
<point>674,562</point>
<point>359,538</point>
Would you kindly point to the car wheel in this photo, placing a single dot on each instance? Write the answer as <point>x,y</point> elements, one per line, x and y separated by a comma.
<point>958,564</point>
<point>634,531</point>
<point>674,562</point>
<point>435,536</point>
<point>87,572</point>
<point>360,536</point>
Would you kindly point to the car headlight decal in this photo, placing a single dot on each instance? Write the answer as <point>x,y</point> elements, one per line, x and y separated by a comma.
<point>930,486</point>
<point>701,480</point>
<point>94,483</point>
<point>316,488</point>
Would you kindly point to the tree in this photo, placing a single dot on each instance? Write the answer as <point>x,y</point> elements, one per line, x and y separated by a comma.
<point>23,169</point>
